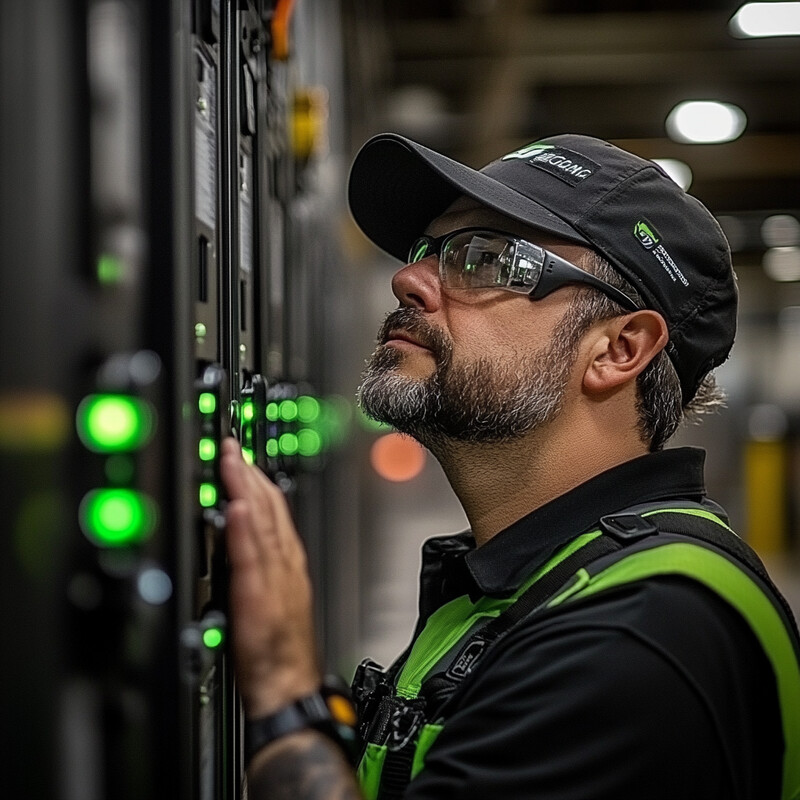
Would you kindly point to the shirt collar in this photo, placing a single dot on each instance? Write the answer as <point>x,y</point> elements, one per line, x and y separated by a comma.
<point>499,567</point>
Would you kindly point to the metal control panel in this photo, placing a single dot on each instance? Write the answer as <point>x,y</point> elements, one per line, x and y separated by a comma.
<point>150,310</point>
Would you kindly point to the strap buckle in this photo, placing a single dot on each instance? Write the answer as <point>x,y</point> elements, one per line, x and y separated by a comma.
<point>627,528</point>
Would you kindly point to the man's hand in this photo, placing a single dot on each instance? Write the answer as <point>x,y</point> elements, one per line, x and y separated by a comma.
<point>270,597</point>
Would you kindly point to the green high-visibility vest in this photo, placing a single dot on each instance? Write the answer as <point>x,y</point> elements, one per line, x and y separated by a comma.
<point>450,626</point>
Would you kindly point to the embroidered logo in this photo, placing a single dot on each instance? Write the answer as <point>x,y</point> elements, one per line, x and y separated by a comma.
<point>648,237</point>
<point>528,150</point>
<point>646,234</point>
<point>569,166</point>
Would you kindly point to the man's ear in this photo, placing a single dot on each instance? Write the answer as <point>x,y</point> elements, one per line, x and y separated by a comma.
<point>622,347</point>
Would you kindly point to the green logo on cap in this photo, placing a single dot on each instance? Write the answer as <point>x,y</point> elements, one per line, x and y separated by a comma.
<point>646,234</point>
<point>529,150</point>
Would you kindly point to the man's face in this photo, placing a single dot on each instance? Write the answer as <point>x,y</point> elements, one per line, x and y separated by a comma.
<point>476,365</point>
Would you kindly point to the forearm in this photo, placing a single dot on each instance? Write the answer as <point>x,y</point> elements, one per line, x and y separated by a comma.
<point>301,766</point>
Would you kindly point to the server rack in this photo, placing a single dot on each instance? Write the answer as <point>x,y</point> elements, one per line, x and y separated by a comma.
<point>150,308</point>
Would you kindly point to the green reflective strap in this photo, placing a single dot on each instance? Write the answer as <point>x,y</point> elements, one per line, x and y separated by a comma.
<point>692,512</point>
<point>369,770</point>
<point>427,736</point>
<point>371,766</point>
<point>734,586</point>
<point>450,624</point>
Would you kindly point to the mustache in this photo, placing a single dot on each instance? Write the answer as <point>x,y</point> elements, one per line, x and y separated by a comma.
<point>411,321</point>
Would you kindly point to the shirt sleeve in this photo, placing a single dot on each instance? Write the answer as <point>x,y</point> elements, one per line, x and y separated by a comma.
<point>657,689</point>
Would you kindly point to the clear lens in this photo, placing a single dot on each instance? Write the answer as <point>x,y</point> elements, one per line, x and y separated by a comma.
<point>476,261</point>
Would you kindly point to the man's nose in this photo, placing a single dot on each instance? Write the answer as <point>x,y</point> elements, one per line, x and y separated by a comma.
<point>417,285</point>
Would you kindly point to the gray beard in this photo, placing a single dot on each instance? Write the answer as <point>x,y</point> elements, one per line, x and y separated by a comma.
<point>481,401</point>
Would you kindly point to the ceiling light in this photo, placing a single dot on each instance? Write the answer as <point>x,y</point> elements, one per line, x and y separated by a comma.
<point>782,263</point>
<point>766,19</point>
<point>679,171</point>
<point>780,230</point>
<point>705,122</point>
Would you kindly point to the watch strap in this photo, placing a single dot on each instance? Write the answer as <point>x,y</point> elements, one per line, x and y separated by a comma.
<point>312,711</point>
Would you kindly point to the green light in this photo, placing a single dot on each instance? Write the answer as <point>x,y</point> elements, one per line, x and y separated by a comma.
<point>117,517</point>
<point>308,409</point>
<point>272,447</point>
<point>207,403</point>
<point>309,442</point>
<point>207,449</point>
<point>287,410</point>
<point>272,412</point>
<point>247,411</point>
<point>248,456</point>
<point>110,423</point>
<point>110,269</point>
<point>287,444</point>
<point>207,495</point>
<point>200,331</point>
<point>212,638</point>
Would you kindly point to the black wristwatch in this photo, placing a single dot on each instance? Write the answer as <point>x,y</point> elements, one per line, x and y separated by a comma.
<point>329,711</point>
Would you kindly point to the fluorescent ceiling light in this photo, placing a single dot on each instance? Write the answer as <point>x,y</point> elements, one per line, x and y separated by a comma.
<point>780,230</point>
<point>679,171</point>
<point>766,19</point>
<point>782,263</point>
<point>705,122</point>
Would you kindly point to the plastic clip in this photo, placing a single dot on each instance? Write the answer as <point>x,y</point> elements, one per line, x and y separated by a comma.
<point>627,528</point>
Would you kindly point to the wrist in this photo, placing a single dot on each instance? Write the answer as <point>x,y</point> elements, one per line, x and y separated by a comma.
<point>275,694</point>
<point>327,710</point>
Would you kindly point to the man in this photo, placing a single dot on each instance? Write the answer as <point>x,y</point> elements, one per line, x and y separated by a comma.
<point>599,632</point>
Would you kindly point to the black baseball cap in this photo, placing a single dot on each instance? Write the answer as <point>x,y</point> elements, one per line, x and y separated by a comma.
<point>663,241</point>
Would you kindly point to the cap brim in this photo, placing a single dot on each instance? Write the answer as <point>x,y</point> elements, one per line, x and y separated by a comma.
<point>397,187</point>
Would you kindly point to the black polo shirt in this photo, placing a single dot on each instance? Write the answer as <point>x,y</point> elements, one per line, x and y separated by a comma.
<point>655,689</point>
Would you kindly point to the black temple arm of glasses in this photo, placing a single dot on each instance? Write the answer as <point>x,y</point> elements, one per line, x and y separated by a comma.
<point>557,271</point>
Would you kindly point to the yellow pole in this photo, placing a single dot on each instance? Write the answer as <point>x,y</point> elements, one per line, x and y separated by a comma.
<point>765,464</point>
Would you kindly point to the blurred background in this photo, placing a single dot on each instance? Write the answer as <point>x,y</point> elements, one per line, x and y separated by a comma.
<point>179,262</point>
<point>477,78</point>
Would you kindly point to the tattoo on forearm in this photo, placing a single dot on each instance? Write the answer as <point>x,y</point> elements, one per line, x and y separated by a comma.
<point>303,766</point>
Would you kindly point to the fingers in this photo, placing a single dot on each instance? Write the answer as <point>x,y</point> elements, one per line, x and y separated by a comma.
<point>242,549</point>
<point>265,512</point>
<point>270,590</point>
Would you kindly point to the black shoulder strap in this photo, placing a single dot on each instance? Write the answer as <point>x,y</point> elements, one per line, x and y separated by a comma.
<point>440,688</point>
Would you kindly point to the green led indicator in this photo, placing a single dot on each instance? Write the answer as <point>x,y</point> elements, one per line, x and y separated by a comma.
<point>110,423</point>
<point>207,495</point>
<point>272,412</point>
<point>309,442</point>
<point>207,449</point>
<point>308,409</point>
<point>200,331</point>
<point>287,444</point>
<point>117,517</point>
<point>207,403</point>
<point>272,447</point>
<point>110,269</point>
<point>287,410</point>
<point>212,638</point>
<point>247,411</point>
<point>248,456</point>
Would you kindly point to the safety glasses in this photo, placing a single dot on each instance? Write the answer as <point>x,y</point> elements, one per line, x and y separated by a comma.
<point>479,258</point>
